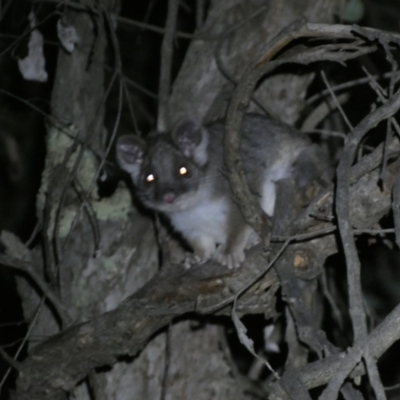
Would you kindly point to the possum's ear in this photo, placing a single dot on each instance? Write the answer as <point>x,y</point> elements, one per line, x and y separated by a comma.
<point>130,155</point>
<point>192,139</point>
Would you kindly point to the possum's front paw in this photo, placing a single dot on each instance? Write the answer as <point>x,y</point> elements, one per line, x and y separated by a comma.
<point>191,259</point>
<point>203,247</point>
<point>232,259</point>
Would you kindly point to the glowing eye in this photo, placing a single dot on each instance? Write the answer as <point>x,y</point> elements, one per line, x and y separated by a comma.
<point>150,178</point>
<point>183,171</point>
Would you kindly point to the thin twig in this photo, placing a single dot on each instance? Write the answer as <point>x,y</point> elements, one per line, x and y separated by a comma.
<point>154,28</point>
<point>164,87</point>
<point>30,269</point>
<point>381,93</point>
<point>247,286</point>
<point>331,301</point>
<point>337,103</point>
<point>191,36</point>
<point>9,360</point>
<point>350,84</point>
<point>389,132</point>
<point>325,132</point>
<point>22,345</point>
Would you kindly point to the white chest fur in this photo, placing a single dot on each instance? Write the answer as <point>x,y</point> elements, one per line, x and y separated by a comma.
<point>207,219</point>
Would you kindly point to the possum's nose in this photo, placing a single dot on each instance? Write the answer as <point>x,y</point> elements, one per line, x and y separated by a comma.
<point>169,197</point>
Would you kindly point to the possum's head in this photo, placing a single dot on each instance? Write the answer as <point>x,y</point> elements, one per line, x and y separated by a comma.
<point>167,169</point>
